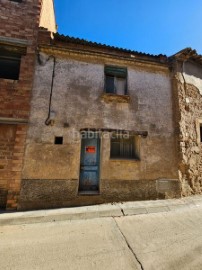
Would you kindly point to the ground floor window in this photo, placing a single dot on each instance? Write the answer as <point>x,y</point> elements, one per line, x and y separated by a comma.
<point>124,146</point>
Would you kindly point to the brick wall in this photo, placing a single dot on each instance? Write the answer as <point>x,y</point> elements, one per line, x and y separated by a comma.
<point>18,24</point>
<point>7,139</point>
<point>19,21</point>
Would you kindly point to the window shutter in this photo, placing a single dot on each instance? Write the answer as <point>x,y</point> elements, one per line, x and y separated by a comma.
<point>116,71</point>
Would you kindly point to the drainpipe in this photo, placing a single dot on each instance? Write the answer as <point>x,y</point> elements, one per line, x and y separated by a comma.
<point>51,114</point>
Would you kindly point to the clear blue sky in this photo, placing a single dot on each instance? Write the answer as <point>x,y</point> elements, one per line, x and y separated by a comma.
<point>151,26</point>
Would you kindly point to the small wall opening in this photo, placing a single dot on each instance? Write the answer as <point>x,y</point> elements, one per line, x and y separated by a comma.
<point>58,140</point>
<point>200,133</point>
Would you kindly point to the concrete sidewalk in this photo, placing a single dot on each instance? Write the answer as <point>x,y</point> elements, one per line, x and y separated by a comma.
<point>96,211</point>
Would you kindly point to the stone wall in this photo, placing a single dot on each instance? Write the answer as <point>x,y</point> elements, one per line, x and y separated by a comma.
<point>189,85</point>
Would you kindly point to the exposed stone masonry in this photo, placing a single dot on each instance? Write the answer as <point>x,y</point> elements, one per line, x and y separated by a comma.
<point>190,167</point>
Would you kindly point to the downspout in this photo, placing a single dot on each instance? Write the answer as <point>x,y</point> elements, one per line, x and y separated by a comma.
<point>51,115</point>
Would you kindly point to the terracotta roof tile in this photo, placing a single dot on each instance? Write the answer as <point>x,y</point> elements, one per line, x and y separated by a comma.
<point>63,38</point>
<point>188,53</point>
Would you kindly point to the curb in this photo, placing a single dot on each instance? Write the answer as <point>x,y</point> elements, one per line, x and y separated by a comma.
<point>99,211</point>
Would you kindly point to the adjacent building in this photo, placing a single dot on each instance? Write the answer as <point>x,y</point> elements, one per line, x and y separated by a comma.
<point>19,23</point>
<point>187,86</point>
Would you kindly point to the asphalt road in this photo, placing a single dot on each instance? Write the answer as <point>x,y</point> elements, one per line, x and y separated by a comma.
<point>169,240</point>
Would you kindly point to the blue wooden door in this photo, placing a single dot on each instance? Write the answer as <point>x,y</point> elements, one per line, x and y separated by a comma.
<point>90,163</point>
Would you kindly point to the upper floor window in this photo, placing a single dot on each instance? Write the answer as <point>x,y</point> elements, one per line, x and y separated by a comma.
<point>9,65</point>
<point>115,80</point>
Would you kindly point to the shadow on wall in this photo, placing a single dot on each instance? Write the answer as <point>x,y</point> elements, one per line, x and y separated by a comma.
<point>193,70</point>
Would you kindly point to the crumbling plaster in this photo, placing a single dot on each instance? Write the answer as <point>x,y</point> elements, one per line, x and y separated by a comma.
<point>76,100</point>
<point>189,84</point>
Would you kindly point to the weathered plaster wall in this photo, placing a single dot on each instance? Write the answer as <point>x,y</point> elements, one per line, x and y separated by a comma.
<point>77,100</point>
<point>189,84</point>
<point>47,16</point>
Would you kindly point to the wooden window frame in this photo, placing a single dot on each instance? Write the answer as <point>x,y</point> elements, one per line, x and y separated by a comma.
<point>115,73</point>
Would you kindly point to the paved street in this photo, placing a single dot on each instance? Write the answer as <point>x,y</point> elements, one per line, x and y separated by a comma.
<point>169,240</point>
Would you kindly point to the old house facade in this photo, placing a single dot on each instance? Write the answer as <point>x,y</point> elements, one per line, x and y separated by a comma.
<point>19,23</point>
<point>102,127</point>
<point>84,123</point>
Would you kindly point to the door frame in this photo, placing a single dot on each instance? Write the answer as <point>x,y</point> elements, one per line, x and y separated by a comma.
<point>99,138</point>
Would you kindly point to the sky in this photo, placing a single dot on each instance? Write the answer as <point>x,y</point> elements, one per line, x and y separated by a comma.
<point>149,26</point>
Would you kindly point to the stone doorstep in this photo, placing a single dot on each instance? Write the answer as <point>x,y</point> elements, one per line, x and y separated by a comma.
<point>98,211</point>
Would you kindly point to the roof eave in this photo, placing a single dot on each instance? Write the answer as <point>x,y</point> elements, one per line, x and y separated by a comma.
<point>71,40</point>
